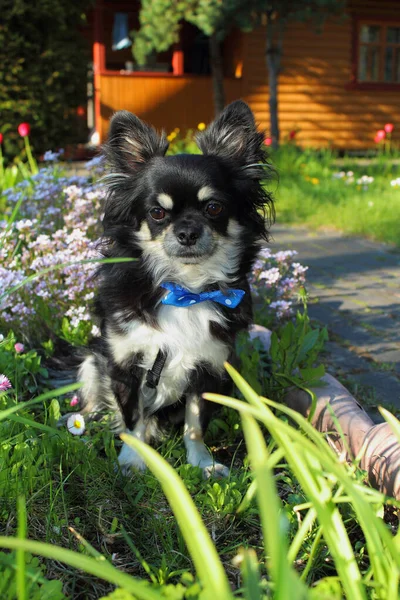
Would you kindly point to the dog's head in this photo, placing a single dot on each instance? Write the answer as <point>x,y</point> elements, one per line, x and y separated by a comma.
<point>195,219</point>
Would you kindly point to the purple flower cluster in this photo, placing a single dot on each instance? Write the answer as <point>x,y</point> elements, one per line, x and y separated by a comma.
<point>58,225</point>
<point>275,280</point>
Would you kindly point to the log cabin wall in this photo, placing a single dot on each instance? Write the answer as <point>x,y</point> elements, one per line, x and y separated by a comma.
<point>319,95</point>
<point>164,101</point>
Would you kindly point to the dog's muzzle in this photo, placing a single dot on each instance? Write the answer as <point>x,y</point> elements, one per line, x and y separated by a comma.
<point>189,240</point>
<point>188,232</point>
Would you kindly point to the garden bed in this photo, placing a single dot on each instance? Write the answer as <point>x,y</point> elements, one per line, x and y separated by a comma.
<point>291,521</point>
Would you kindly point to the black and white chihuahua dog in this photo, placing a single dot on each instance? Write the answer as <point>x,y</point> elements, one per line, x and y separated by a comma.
<point>193,225</point>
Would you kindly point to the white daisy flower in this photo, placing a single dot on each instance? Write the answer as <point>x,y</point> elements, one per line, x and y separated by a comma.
<point>76,424</point>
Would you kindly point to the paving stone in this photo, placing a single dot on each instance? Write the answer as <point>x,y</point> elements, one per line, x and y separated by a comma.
<point>354,290</point>
<point>387,386</point>
<point>339,325</point>
<point>381,352</point>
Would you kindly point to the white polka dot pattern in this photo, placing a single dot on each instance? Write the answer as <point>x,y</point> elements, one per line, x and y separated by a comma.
<point>179,296</point>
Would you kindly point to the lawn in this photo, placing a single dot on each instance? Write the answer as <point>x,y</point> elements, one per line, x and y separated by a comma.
<point>291,521</point>
<point>355,196</point>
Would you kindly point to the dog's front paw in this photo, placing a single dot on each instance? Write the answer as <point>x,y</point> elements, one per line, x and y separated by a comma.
<point>199,456</point>
<point>129,460</point>
<point>217,470</point>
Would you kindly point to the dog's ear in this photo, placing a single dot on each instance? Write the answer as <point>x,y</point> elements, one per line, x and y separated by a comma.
<point>234,136</point>
<point>131,143</point>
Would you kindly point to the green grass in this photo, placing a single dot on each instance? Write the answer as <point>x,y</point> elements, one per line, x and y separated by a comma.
<point>307,193</point>
<point>289,517</point>
<point>71,482</point>
<point>291,521</point>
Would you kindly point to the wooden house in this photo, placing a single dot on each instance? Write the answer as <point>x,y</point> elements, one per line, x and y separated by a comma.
<point>336,88</point>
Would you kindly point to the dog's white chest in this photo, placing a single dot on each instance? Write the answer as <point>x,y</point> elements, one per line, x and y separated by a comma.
<point>184,334</point>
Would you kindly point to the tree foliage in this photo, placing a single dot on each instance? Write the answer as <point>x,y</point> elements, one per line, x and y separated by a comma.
<point>43,71</point>
<point>160,22</point>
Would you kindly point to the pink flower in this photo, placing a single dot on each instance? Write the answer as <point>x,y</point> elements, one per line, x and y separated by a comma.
<point>24,129</point>
<point>74,401</point>
<point>292,134</point>
<point>4,383</point>
<point>268,141</point>
<point>18,347</point>
<point>380,135</point>
<point>389,127</point>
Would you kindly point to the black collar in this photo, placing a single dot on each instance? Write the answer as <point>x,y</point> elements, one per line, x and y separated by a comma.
<point>154,374</point>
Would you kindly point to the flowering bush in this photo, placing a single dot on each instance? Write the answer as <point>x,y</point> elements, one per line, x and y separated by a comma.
<point>274,282</point>
<point>349,178</point>
<point>57,225</point>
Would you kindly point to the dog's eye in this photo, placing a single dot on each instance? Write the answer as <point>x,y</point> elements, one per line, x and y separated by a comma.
<point>214,209</point>
<point>157,213</point>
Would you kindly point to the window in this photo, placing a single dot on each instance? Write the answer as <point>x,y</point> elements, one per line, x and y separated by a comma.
<point>378,53</point>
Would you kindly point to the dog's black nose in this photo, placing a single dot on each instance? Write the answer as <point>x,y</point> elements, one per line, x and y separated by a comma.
<point>187,238</point>
<point>188,234</point>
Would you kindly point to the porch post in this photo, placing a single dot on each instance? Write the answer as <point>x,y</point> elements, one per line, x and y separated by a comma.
<point>177,60</point>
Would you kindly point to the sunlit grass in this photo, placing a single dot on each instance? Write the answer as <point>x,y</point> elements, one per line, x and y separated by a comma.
<point>308,193</point>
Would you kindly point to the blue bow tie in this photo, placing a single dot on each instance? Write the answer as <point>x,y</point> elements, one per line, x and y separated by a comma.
<point>179,296</point>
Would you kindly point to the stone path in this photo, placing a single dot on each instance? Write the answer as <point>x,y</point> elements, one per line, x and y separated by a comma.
<point>354,287</point>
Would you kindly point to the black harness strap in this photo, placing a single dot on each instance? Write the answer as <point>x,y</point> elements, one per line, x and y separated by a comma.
<point>154,374</point>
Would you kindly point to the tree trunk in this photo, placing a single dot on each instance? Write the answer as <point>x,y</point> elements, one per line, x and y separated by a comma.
<point>273,54</point>
<point>217,73</point>
<point>273,100</point>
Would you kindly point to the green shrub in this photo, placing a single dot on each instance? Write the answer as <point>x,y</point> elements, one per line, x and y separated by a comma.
<point>43,58</point>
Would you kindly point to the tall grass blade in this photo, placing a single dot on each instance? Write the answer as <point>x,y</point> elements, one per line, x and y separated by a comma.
<point>34,424</point>
<point>95,566</point>
<point>391,419</point>
<point>274,527</point>
<point>273,460</point>
<point>202,550</point>
<point>251,396</point>
<point>20,555</point>
<point>301,533</point>
<point>302,460</point>
<point>251,575</point>
<point>4,414</point>
<point>11,220</point>
<point>330,463</point>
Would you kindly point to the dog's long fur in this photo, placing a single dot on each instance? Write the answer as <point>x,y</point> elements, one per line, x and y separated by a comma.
<point>190,246</point>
